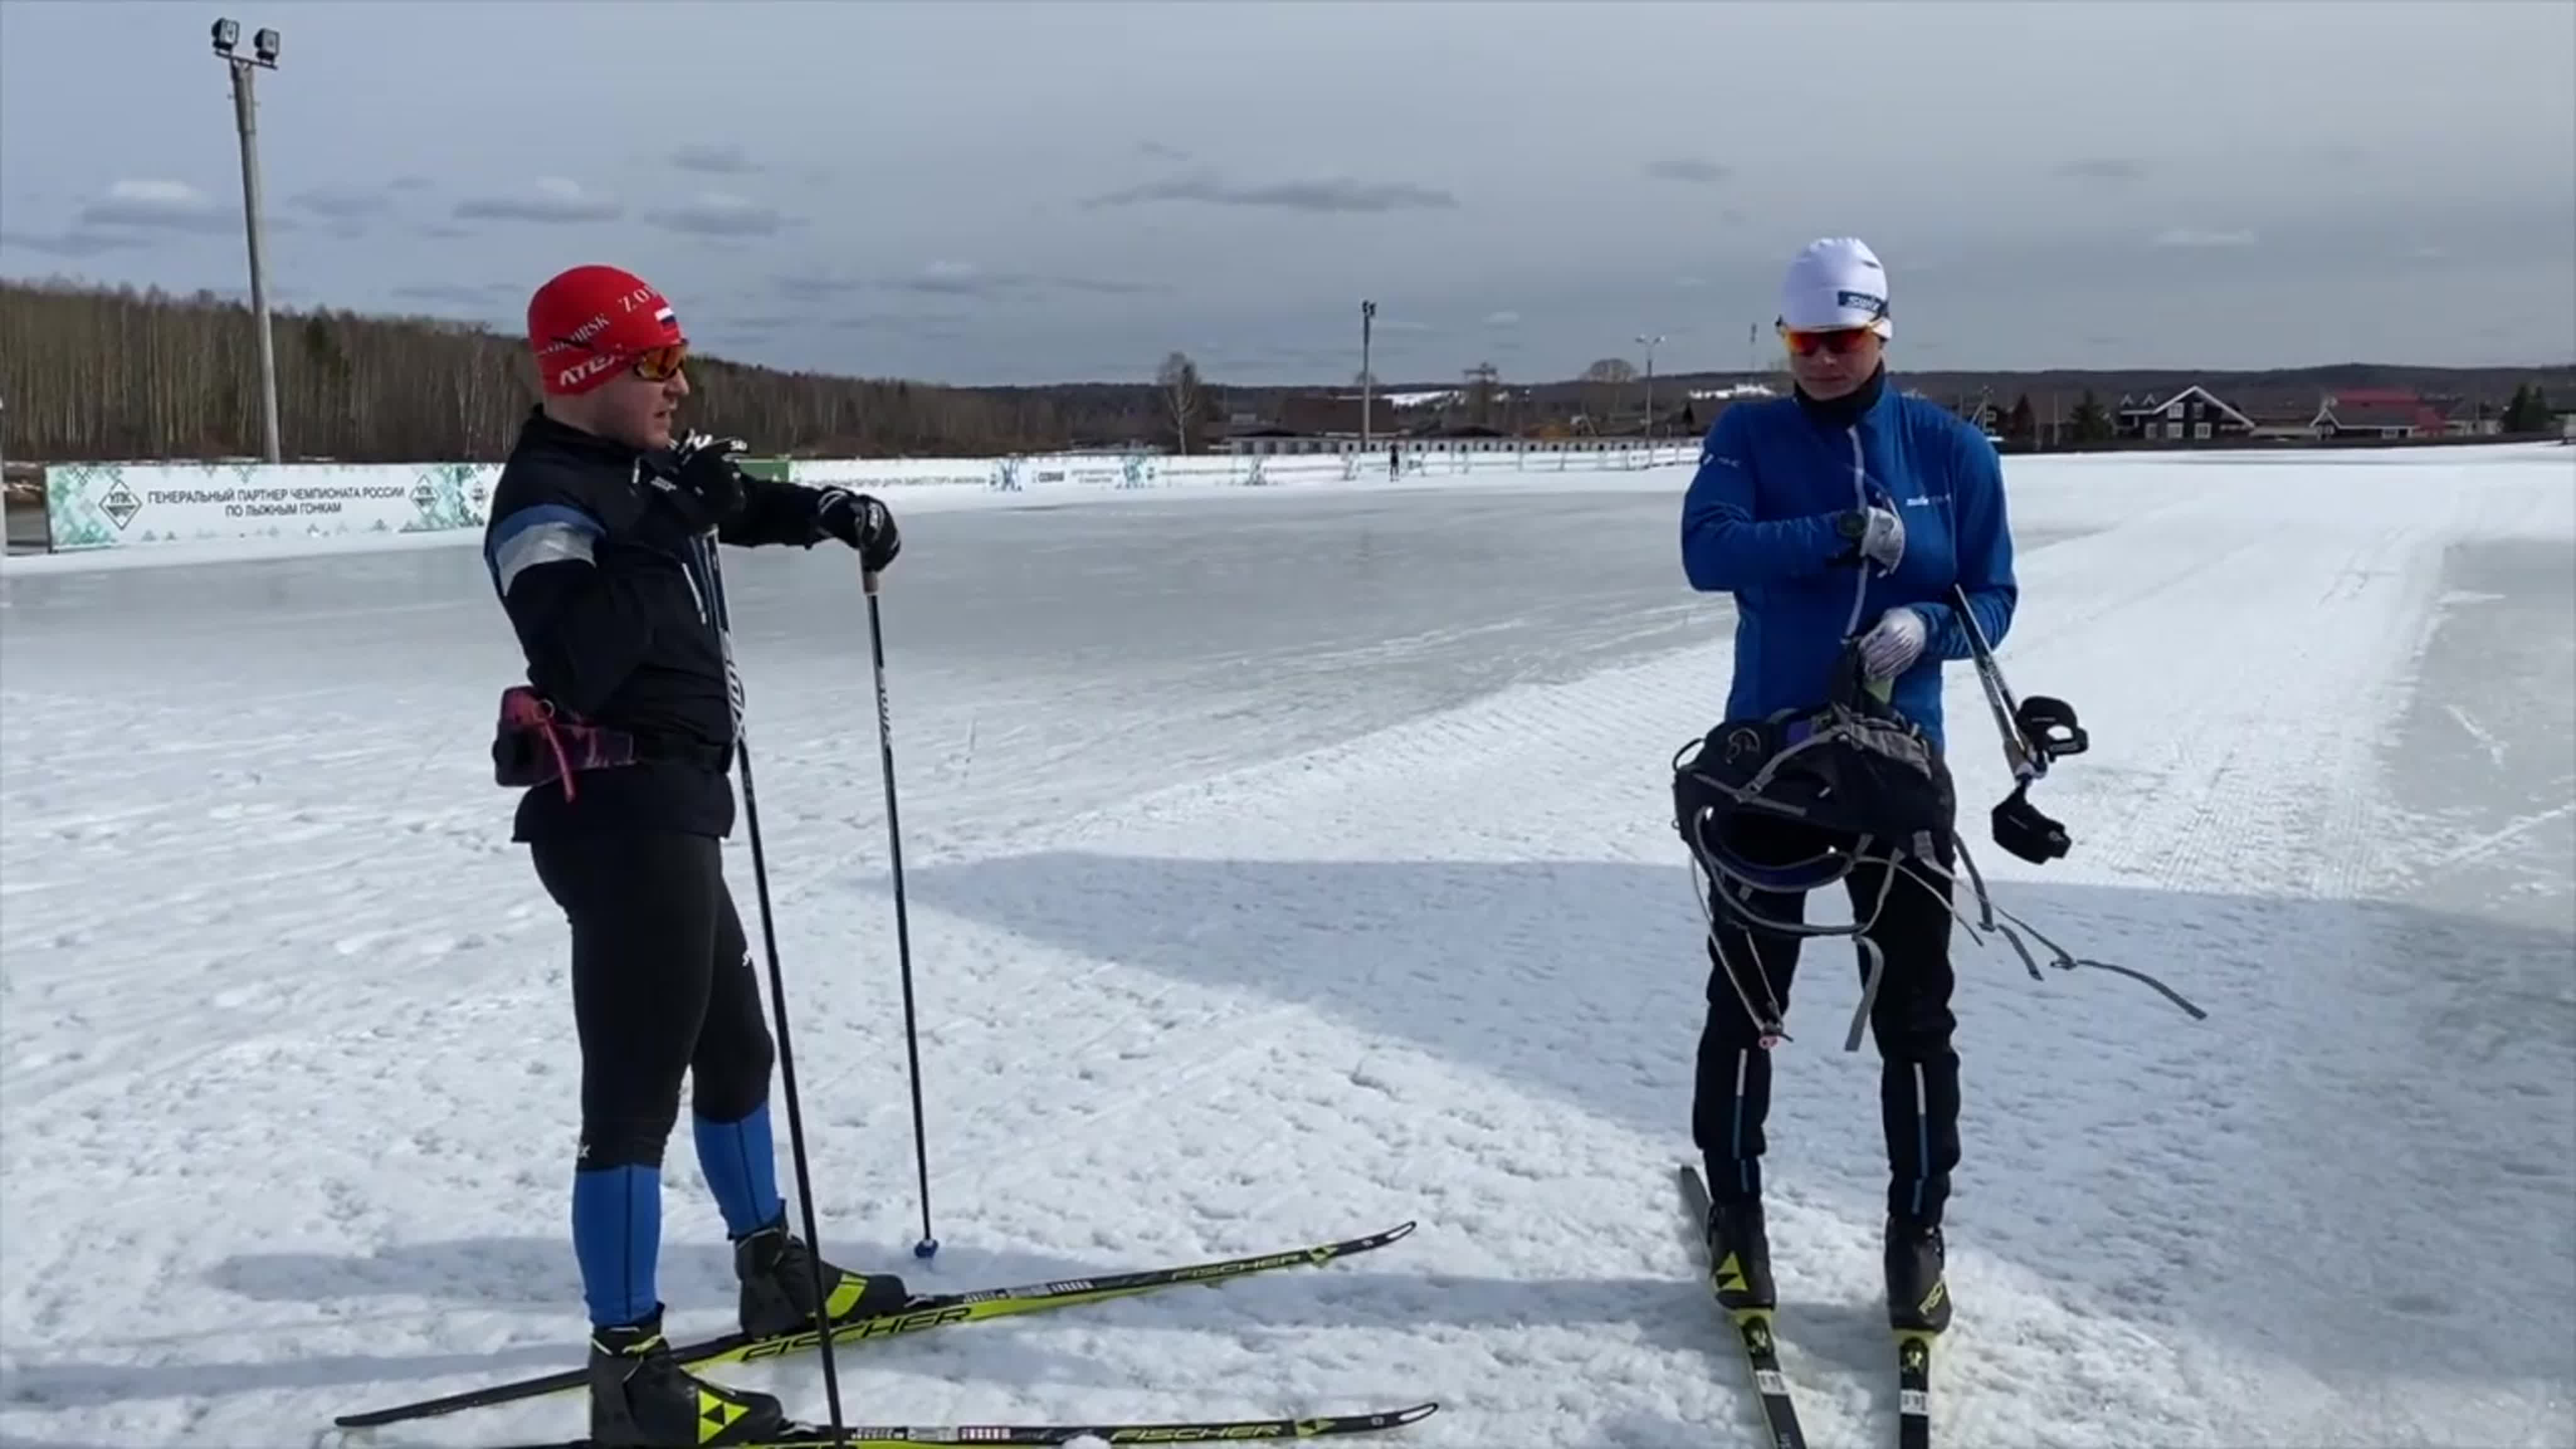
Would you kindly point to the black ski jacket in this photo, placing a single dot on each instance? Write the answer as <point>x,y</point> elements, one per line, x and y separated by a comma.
<point>612,606</point>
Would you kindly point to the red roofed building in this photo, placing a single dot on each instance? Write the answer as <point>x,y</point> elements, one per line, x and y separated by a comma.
<point>2378,413</point>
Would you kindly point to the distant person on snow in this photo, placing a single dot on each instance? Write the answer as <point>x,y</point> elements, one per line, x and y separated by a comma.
<point>599,546</point>
<point>1839,519</point>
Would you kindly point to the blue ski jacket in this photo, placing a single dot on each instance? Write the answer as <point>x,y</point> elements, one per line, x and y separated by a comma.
<point>1759,522</point>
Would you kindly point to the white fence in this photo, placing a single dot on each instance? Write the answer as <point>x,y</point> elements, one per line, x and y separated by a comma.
<point>122,505</point>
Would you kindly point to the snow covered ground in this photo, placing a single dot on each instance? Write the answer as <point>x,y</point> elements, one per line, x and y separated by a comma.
<point>1298,864</point>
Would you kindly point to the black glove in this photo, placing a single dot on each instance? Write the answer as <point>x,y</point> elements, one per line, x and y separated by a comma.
<point>699,480</point>
<point>863,523</point>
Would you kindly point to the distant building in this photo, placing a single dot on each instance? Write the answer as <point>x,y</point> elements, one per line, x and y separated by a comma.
<point>2387,414</point>
<point>2463,418</point>
<point>1985,415</point>
<point>2194,414</point>
<point>1331,414</point>
<point>2282,423</point>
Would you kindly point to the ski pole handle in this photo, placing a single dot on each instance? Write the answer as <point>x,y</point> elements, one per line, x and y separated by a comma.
<point>867,580</point>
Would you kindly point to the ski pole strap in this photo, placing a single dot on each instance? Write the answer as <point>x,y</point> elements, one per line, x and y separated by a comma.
<point>2062,958</point>
<point>2021,828</point>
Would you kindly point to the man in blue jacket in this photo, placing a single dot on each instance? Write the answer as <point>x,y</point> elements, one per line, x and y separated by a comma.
<point>1844,512</point>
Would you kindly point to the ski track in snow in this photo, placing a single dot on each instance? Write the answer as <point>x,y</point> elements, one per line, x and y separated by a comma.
<point>288,1082</point>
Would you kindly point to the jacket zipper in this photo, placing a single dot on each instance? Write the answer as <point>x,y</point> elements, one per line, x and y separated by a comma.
<point>699,548</point>
<point>1860,499</point>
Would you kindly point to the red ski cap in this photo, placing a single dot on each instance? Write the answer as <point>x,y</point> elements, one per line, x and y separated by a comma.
<point>587,324</point>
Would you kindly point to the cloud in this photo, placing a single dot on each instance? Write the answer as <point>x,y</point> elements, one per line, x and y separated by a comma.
<point>897,323</point>
<point>73,243</point>
<point>240,296</point>
<point>816,285</point>
<point>951,279</point>
<point>714,160</point>
<point>717,213</point>
<point>1690,169</point>
<point>459,294</point>
<point>766,322</point>
<point>1161,152</point>
<point>1502,319</point>
<point>149,205</point>
<point>555,200</point>
<point>948,277</point>
<point>496,306</point>
<point>342,203</point>
<point>408,183</point>
<point>1103,286</point>
<point>136,213</point>
<point>2114,169</point>
<point>1330,194</point>
<point>2184,237</point>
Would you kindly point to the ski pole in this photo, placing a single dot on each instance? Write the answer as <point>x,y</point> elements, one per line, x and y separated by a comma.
<point>928,1245</point>
<point>706,551</point>
<point>2024,761</point>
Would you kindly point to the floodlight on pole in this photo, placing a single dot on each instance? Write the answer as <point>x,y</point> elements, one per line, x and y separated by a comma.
<point>1649,343</point>
<point>263,56</point>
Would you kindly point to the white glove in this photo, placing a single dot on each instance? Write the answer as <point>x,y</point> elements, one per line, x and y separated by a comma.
<point>1883,542</point>
<point>1893,644</point>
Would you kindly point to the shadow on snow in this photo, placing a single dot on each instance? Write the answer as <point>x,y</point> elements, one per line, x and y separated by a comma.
<point>2373,1076</point>
<point>2373,1126</point>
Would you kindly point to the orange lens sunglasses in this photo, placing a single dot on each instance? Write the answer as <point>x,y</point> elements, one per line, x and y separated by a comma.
<point>658,364</point>
<point>653,364</point>
<point>1836,340</point>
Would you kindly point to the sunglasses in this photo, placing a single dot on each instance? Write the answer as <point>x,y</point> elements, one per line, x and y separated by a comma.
<point>660,364</point>
<point>653,364</point>
<point>1837,340</point>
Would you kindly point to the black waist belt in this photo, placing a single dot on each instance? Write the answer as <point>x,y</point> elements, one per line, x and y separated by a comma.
<point>538,744</point>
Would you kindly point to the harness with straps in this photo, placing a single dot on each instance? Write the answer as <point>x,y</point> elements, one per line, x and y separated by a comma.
<point>1801,798</point>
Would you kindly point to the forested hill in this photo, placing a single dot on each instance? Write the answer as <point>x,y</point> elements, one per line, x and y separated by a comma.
<point>94,373</point>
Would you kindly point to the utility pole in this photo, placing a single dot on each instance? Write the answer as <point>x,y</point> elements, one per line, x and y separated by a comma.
<point>1649,343</point>
<point>263,56</point>
<point>1368,383</point>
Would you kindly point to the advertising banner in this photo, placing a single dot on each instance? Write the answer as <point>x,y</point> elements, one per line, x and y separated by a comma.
<point>113,505</point>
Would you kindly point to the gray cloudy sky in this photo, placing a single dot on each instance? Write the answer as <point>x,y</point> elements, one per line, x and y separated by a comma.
<point>1024,193</point>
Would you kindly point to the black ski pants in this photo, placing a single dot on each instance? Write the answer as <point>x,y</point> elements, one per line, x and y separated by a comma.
<point>662,986</point>
<point>1910,1020</point>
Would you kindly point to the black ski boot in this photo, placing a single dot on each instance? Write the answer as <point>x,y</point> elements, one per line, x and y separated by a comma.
<point>640,1397</point>
<point>777,1273</point>
<point>1918,1293</point>
<point>1739,1256</point>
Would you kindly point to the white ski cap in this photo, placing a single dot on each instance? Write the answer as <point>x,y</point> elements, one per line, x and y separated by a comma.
<point>1836,282</point>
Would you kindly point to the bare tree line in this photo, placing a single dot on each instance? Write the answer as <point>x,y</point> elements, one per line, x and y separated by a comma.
<point>93,374</point>
<point>89,374</point>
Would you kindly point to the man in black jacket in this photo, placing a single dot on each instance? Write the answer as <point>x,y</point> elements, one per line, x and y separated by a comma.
<point>600,547</point>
